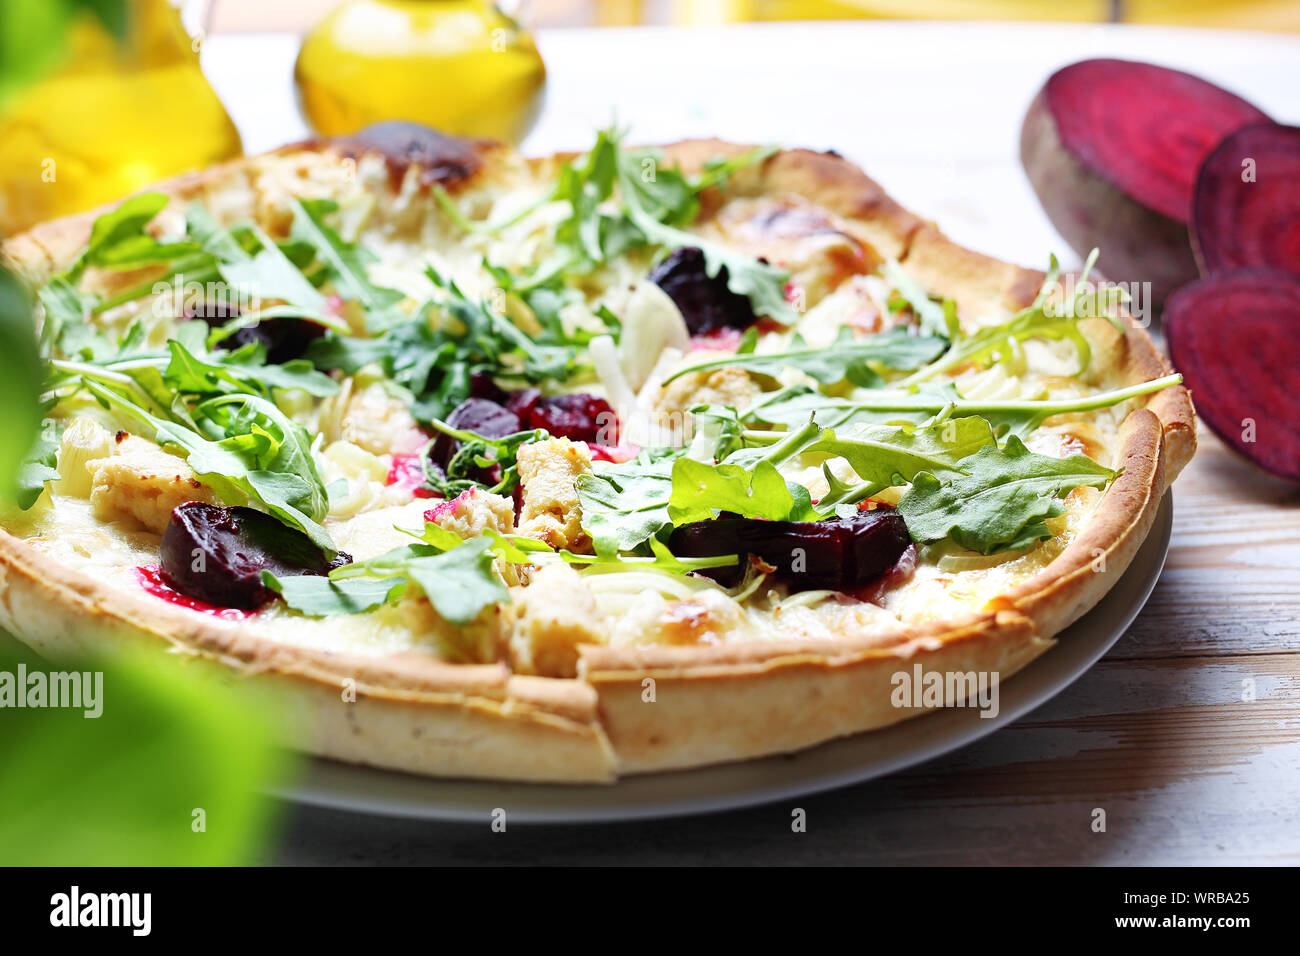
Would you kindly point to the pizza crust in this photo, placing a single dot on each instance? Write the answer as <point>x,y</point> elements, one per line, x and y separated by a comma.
<point>630,709</point>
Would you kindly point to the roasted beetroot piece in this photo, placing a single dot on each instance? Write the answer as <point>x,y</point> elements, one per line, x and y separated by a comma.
<point>482,385</point>
<point>1112,148</point>
<point>484,417</point>
<point>285,338</point>
<point>839,554</point>
<point>520,403</point>
<point>705,301</point>
<point>1246,211</point>
<point>1236,339</point>
<point>577,416</point>
<point>479,415</point>
<point>217,554</point>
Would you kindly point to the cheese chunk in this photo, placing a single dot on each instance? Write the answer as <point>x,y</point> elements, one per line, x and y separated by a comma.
<point>371,533</point>
<point>723,386</point>
<point>473,512</point>
<point>141,482</point>
<point>552,512</point>
<point>546,622</point>
<point>370,418</point>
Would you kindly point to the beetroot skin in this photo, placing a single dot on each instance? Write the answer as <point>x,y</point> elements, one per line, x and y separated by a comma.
<point>1246,211</point>
<point>1112,148</point>
<point>1236,339</point>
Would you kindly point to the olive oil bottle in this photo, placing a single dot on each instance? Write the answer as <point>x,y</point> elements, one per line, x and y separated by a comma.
<point>117,114</point>
<point>459,66</point>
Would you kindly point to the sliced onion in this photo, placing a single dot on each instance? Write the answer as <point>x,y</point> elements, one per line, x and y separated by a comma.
<point>651,323</point>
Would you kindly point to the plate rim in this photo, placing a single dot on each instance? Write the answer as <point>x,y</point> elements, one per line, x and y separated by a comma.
<point>324,783</point>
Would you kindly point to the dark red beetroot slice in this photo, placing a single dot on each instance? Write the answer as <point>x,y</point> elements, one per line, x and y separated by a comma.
<point>1246,211</point>
<point>706,302</point>
<point>577,416</point>
<point>217,554</point>
<point>479,415</point>
<point>840,554</point>
<point>1112,148</point>
<point>285,338</point>
<point>1236,339</point>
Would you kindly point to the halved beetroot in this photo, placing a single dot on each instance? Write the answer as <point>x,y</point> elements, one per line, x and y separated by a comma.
<point>1246,211</point>
<point>1112,148</point>
<point>1236,339</point>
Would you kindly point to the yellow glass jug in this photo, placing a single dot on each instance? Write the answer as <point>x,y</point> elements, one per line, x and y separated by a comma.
<point>459,66</point>
<point>117,115</point>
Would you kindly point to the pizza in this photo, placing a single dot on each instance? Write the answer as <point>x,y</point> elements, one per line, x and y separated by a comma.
<point>576,467</point>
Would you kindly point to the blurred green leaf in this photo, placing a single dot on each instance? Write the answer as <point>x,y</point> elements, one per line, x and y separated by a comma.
<point>20,379</point>
<point>171,748</point>
<point>32,35</point>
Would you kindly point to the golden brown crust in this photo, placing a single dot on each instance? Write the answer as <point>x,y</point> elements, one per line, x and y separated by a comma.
<point>410,712</point>
<point>709,704</point>
<point>785,699</point>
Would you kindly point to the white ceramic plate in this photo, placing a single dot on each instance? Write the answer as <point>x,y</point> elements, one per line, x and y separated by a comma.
<point>834,764</point>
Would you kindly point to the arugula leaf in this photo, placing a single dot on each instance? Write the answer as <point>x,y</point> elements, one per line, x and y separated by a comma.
<point>885,456</point>
<point>717,172</point>
<point>792,406</point>
<point>476,454</point>
<point>518,549</point>
<point>245,257</point>
<point>435,363</point>
<point>63,303</point>
<point>1002,502</point>
<point>181,370</point>
<point>545,297</point>
<point>347,262</point>
<point>652,203</point>
<point>460,582</point>
<point>699,490</point>
<point>1017,417</point>
<point>317,596</point>
<point>718,432</point>
<point>846,358</point>
<point>457,578</point>
<point>936,318</point>
<point>212,237</point>
<point>500,339</point>
<point>245,449</point>
<point>1040,320</point>
<point>270,274</point>
<point>38,466</point>
<point>659,559</point>
<point>243,370</point>
<point>118,239</point>
<point>625,505</point>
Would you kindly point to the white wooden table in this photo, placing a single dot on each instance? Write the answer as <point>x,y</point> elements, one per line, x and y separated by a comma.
<point>1158,733</point>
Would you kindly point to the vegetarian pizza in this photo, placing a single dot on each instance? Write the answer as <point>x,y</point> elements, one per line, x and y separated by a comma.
<point>569,468</point>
